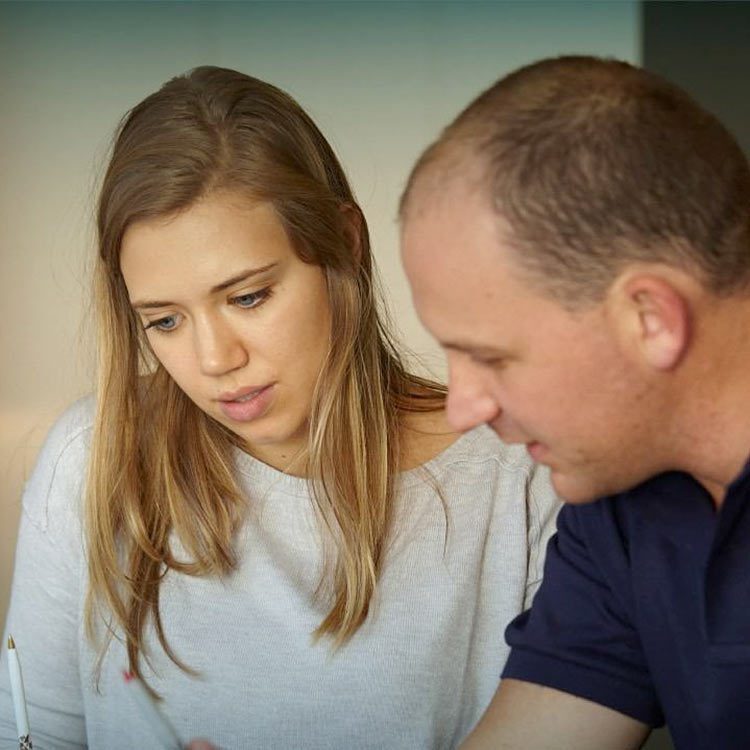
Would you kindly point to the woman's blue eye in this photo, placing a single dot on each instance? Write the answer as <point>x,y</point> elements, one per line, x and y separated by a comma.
<point>252,299</point>
<point>163,324</point>
<point>245,301</point>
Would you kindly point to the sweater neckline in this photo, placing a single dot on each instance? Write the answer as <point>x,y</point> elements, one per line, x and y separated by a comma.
<point>256,470</point>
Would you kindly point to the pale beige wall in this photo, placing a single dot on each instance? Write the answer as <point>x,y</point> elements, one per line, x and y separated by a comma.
<point>379,78</point>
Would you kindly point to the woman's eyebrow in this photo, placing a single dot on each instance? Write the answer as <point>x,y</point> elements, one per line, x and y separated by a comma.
<point>220,287</point>
<point>242,276</point>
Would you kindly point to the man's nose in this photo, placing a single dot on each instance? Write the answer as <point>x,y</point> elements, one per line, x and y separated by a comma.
<point>218,346</point>
<point>470,402</point>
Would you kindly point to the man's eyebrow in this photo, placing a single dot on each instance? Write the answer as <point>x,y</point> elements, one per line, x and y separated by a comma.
<point>220,287</point>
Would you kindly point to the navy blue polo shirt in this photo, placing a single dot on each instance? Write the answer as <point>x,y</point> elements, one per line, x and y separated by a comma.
<point>645,608</point>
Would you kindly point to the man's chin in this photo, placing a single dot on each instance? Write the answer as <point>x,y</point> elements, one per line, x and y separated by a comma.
<point>578,489</point>
<point>574,490</point>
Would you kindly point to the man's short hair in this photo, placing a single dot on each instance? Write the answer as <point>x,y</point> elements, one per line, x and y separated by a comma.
<point>596,164</point>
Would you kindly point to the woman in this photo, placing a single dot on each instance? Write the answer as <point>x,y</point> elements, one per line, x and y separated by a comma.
<point>264,515</point>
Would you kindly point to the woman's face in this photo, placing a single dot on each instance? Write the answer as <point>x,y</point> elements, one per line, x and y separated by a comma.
<point>235,317</point>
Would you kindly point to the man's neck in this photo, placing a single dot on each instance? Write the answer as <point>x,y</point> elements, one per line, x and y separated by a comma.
<point>715,434</point>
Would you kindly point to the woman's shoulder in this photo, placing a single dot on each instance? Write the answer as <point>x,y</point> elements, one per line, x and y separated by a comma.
<point>53,491</point>
<point>479,464</point>
<point>69,435</point>
<point>482,443</point>
<point>434,446</point>
<point>73,422</point>
<point>480,459</point>
<point>481,453</point>
<point>479,445</point>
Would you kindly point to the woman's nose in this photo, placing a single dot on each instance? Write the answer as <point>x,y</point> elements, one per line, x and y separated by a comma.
<point>219,347</point>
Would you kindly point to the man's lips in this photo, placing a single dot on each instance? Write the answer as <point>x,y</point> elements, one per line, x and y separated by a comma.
<point>536,450</point>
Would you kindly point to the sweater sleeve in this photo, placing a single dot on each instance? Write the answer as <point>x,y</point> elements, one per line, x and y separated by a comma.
<point>543,506</point>
<point>44,613</point>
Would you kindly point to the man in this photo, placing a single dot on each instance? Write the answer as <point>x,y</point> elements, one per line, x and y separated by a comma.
<point>578,241</point>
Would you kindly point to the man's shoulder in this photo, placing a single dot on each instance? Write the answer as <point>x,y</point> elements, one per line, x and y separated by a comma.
<point>650,500</point>
<point>629,530</point>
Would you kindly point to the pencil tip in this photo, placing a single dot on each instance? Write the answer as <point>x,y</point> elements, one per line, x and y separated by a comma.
<point>11,644</point>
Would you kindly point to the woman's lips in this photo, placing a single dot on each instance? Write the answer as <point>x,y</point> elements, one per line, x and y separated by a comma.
<point>246,404</point>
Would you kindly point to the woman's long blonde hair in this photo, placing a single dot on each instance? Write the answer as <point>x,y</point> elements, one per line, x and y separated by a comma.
<point>159,465</point>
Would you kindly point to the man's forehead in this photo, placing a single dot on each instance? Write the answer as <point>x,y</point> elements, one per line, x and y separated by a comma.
<point>460,304</point>
<point>460,236</point>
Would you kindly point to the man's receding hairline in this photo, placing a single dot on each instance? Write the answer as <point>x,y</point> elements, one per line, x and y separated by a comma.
<point>453,162</point>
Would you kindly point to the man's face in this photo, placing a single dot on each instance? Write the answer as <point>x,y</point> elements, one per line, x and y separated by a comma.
<point>537,374</point>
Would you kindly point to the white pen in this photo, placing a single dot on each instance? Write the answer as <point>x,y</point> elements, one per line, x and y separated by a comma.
<point>19,697</point>
<point>160,726</point>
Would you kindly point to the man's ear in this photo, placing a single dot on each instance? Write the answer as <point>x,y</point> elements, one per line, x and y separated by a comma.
<point>352,227</point>
<point>653,317</point>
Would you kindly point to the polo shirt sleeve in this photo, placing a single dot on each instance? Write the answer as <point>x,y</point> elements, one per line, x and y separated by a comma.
<point>578,637</point>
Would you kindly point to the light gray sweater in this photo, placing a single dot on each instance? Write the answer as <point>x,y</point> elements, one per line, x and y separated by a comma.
<point>418,674</point>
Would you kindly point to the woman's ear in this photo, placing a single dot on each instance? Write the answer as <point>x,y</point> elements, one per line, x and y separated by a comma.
<point>352,227</point>
<point>653,318</point>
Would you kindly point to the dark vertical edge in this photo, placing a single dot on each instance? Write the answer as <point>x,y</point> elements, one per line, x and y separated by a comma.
<point>704,47</point>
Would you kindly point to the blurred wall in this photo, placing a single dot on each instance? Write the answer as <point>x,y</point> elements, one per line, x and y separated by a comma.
<point>380,79</point>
